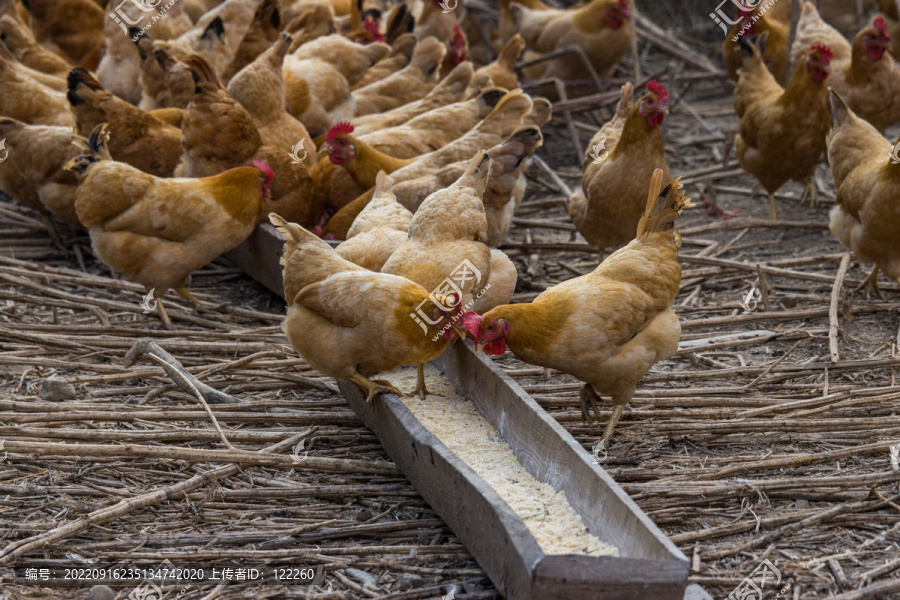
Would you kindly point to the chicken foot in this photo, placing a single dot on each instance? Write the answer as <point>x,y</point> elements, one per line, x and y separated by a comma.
<point>420,382</point>
<point>871,285</point>
<point>373,388</point>
<point>618,409</point>
<point>163,315</point>
<point>811,192</point>
<point>589,399</point>
<point>182,291</point>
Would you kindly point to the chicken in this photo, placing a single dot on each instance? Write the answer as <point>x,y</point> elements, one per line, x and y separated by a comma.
<point>508,158</point>
<point>413,82</point>
<point>435,21</point>
<point>609,327</point>
<point>74,27</point>
<point>501,285</point>
<point>399,57</point>
<point>26,99</point>
<point>264,30</point>
<point>21,43</point>
<point>53,82</point>
<point>864,74</point>
<point>447,237</point>
<point>782,130</point>
<point>158,231</point>
<point>350,59</point>
<point>218,134</point>
<point>599,27</point>
<point>218,33</point>
<point>363,162</point>
<point>423,134</point>
<point>318,78</point>
<point>166,82</point>
<point>867,177</point>
<point>259,87</point>
<point>351,323</point>
<point>379,229</point>
<point>775,53</point>
<point>315,22</point>
<point>449,90</point>
<point>506,118</point>
<point>32,169</point>
<point>502,71</point>
<point>617,166</point>
<point>137,138</point>
<point>457,52</point>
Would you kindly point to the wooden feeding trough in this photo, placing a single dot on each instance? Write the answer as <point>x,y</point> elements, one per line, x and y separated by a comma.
<point>649,566</point>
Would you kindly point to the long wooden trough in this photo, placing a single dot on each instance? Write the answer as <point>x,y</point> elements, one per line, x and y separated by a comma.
<point>650,566</point>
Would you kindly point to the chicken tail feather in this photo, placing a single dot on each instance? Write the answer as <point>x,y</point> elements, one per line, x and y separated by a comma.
<point>663,207</point>
<point>77,79</point>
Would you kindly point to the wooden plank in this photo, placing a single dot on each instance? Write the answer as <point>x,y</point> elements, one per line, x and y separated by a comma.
<point>260,257</point>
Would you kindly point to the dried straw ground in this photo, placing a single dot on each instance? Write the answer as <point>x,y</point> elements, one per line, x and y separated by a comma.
<point>772,441</point>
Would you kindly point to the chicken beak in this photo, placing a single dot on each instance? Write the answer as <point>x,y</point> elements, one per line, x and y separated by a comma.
<point>479,347</point>
<point>460,330</point>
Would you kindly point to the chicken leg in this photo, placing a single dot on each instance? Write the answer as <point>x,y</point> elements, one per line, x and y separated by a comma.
<point>163,315</point>
<point>773,211</point>
<point>373,388</point>
<point>871,285</point>
<point>182,291</point>
<point>420,382</point>
<point>810,192</point>
<point>618,409</point>
<point>589,399</point>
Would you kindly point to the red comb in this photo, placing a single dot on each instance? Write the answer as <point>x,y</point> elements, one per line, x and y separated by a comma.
<point>262,166</point>
<point>342,127</point>
<point>827,54</point>
<point>881,26</point>
<point>658,89</point>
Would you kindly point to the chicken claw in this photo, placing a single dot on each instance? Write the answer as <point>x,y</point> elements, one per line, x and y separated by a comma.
<point>182,291</point>
<point>420,382</point>
<point>589,399</point>
<point>871,285</point>
<point>811,192</point>
<point>373,388</point>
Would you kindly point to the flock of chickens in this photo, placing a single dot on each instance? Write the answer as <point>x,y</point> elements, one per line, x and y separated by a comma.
<point>169,132</point>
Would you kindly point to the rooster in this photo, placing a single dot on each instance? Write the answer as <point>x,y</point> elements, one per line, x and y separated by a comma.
<point>782,131</point>
<point>606,328</point>
<point>158,231</point>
